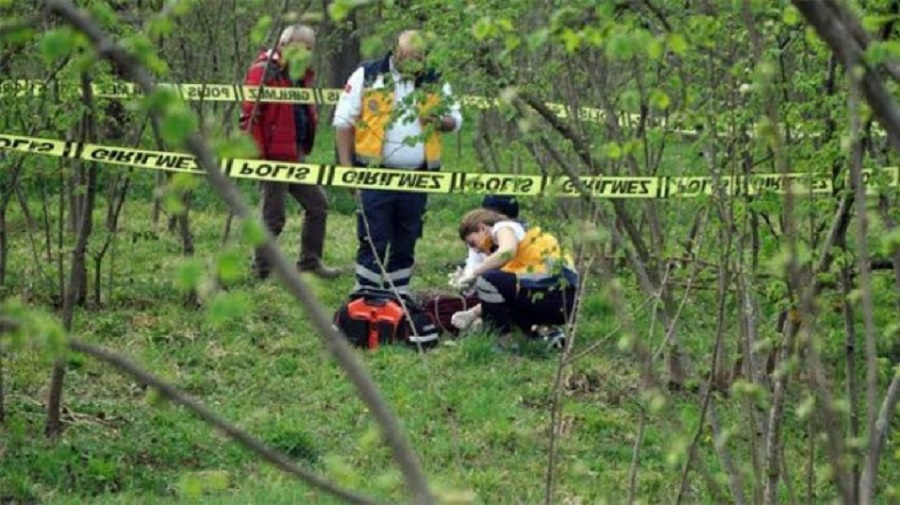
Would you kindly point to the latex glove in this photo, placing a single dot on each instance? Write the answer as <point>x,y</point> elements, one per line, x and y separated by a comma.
<point>467,281</point>
<point>462,319</point>
<point>453,278</point>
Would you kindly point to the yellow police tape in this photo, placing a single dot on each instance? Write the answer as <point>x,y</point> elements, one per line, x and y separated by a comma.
<point>451,182</point>
<point>240,93</point>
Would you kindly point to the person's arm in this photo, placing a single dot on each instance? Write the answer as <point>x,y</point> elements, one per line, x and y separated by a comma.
<point>309,80</point>
<point>345,116</point>
<point>506,249</point>
<point>344,137</point>
<point>453,120</point>
<point>474,259</point>
<point>252,111</point>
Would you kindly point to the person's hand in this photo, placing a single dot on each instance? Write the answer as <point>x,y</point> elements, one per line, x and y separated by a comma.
<point>463,319</point>
<point>466,281</point>
<point>441,123</point>
<point>454,277</point>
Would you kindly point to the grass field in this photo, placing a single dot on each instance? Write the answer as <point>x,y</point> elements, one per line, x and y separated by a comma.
<point>479,419</point>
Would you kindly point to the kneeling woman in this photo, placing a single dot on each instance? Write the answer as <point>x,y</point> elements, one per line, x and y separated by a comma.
<point>526,280</point>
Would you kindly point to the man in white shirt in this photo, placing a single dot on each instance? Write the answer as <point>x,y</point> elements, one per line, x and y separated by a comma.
<point>390,115</point>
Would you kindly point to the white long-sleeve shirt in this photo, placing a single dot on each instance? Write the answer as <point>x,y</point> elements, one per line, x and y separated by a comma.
<point>397,153</point>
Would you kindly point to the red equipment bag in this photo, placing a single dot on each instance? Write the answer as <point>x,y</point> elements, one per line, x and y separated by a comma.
<point>374,317</point>
<point>442,306</point>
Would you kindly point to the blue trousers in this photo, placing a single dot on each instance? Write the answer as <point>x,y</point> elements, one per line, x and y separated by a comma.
<point>507,300</point>
<point>388,225</point>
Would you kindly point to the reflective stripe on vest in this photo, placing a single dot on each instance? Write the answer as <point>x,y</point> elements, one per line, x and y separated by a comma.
<point>375,118</point>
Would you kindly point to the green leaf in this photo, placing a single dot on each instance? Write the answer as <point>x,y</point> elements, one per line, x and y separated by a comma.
<point>190,486</point>
<point>631,100</point>
<point>188,274</point>
<point>340,9</point>
<point>655,49</point>
<point>17,35</point>
<point>620,47</point>
<point>371,46</point>
<point>659,99</point>
<point>677,43</point>
<point>229,265</point>
<point>791,16</point>
<point>103,14</point>
<point>172,204</point>
<point>261,29</point>
<point>183,182</point>
<point>177,123</point>
<point>882,51</point>
<point>227,306</point>
<point>240,145</point>
<point>806,407</point>
<point>483,28</point>
<point>298,58</point>
<point>537,39</point>
<point>159,26</point>
<point>571,40</point>
<point>612,150</point>
<point>56,44</point>
<point>252,232</point>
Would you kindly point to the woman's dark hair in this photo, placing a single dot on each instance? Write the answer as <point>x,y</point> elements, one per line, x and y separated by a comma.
<point>474,218</point>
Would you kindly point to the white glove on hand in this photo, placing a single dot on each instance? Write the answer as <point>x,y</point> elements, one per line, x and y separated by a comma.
<point>462,319</point>
<point>454,278</point>
<point>467,281</point>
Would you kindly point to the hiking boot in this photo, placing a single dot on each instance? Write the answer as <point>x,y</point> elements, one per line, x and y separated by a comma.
<point>322,271</point>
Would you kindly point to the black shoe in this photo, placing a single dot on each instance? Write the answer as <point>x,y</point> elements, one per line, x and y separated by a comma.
<point>322,271</point>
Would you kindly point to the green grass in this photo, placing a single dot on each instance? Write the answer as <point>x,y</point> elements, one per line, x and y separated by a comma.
<point>478,419</point>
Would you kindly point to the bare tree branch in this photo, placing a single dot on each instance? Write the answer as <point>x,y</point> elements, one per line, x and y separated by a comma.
<point>172,393</point>
<point>839,37</point>
<point>865,283</point>
<point>336,344</point>
<point>877,440</point>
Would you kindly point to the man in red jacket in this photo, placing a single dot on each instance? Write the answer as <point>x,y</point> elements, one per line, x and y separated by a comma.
<point>286,132</point>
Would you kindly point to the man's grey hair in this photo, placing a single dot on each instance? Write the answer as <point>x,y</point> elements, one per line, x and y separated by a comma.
<point>298,33</point>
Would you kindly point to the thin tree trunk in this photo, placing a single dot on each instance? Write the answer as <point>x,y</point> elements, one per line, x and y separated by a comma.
<point>3,245</point>
<point>78,276</point>
<point>851,381</point>
<point>61,237</point>
<point>2,392</point>
<point>734,475</point>
<point>114,210</point>
<point>636,458</point>
<point>722,294</point>
<point>159,184</point>
<point>866,489</point>
<point>811,462</point>
<point>4,205</point>
<point>32,226</point>
<point>45,214</point>
<point>877,440</point>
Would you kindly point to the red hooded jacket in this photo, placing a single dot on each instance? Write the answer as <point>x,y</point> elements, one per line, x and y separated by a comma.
<point>272,125</point>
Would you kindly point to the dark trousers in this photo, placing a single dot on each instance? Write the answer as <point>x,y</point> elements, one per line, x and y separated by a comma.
<point>506,300</point>
<point>388,225</point>
<point>312,237</point>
